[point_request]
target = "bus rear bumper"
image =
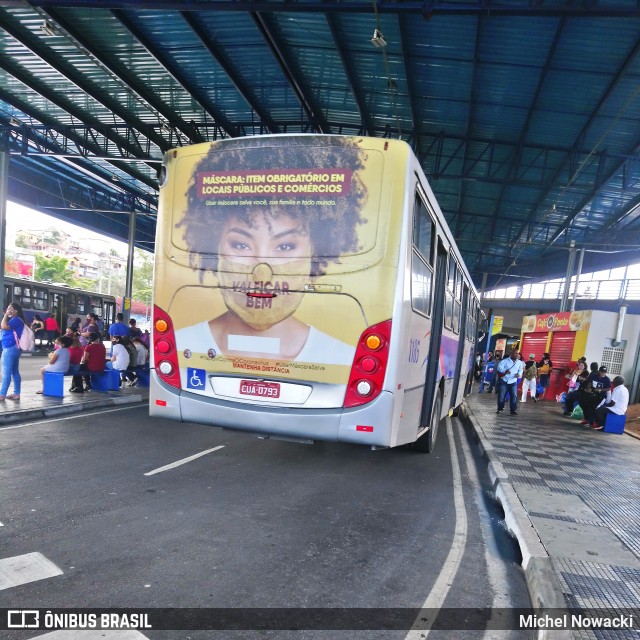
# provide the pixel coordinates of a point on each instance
(370, 425)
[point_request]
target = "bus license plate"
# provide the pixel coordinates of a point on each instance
(260, 389)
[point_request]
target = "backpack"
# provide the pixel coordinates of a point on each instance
(27, 340)
(531, 372)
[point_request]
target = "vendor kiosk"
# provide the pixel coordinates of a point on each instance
(563, 336)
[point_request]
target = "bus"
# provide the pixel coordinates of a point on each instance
(59, 300)
(307, 288)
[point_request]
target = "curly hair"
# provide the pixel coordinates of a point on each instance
(331, 228)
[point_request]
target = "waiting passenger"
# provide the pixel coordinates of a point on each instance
(53, 330)
(573, 397)
(120, 356)
(93, 360)
(76, 351)
(529, 382)
(598, 388)
(58, 359)
(574, 378)
(119, 328)
(134, 332)
(617, 404)
(544, 372)
(142, 358)
(39, 332)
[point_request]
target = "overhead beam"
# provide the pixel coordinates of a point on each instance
(83, 140)
(351, 75)
(470, 119)
(116, 70)
(415, 7)
(95, 127)
(312, 110)
(579, 141)
(411, 94)
(175, 72)
(513, 167)
(220, 57)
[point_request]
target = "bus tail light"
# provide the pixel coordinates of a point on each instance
(165, 355)
(369, 365)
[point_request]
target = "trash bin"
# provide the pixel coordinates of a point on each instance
(557, 383)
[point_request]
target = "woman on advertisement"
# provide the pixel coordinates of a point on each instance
(266, 253)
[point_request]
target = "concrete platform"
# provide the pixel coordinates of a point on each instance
(32, 406)
(571, 497)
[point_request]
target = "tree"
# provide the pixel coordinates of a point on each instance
(142, 276)
(52, 237)
(21, 240)
(54, 269)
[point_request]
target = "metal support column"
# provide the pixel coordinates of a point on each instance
(4, 190)
(128, 291)
(578, 274)
(567, 280)
(483, 286)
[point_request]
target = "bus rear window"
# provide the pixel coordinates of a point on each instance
(306, 203)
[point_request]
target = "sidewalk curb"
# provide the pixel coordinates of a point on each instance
(542, 581)
(67, 409)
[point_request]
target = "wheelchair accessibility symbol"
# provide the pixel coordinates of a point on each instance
(196, 378)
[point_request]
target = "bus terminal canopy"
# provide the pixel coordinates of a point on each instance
(524, 116)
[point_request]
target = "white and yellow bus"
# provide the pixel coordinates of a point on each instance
(307, 287)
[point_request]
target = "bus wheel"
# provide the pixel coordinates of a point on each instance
(427, 442)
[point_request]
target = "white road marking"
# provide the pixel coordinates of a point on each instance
(496, 567)
(26, 568)
(178, 463)
(92, 635)
(451, 565)
(75, 416)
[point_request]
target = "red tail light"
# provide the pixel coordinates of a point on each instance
(165, 356)
(369, 365)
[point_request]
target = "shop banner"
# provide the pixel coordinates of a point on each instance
(565, 321)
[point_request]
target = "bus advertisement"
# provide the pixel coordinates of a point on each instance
(307, 288)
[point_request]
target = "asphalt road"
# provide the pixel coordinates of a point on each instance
(253, 523)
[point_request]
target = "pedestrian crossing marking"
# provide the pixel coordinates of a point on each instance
(26, 568)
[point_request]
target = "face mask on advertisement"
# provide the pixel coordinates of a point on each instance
(282, 283)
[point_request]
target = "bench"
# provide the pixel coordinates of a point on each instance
(107, 380)
(615, 423)
(143, 377)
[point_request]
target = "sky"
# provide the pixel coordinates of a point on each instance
(19, 217)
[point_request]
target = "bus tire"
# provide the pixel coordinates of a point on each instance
(427, 441)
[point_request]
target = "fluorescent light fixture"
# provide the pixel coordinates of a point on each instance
(48, 28)
(378, 39)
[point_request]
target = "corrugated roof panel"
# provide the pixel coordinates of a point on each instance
(496, 105)
(245, 48)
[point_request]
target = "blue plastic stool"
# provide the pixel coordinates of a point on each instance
(53, 384)
(143, 377)
(615, 423)
(107, 380)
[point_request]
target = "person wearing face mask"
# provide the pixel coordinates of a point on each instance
(266, 257)
(12, 324)
(264, 264)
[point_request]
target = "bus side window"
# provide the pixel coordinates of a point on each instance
(457, 299)
(423, 230)
(449, 295)
(421, 278)
(422, 257)
(83, 307)
(40, 300)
